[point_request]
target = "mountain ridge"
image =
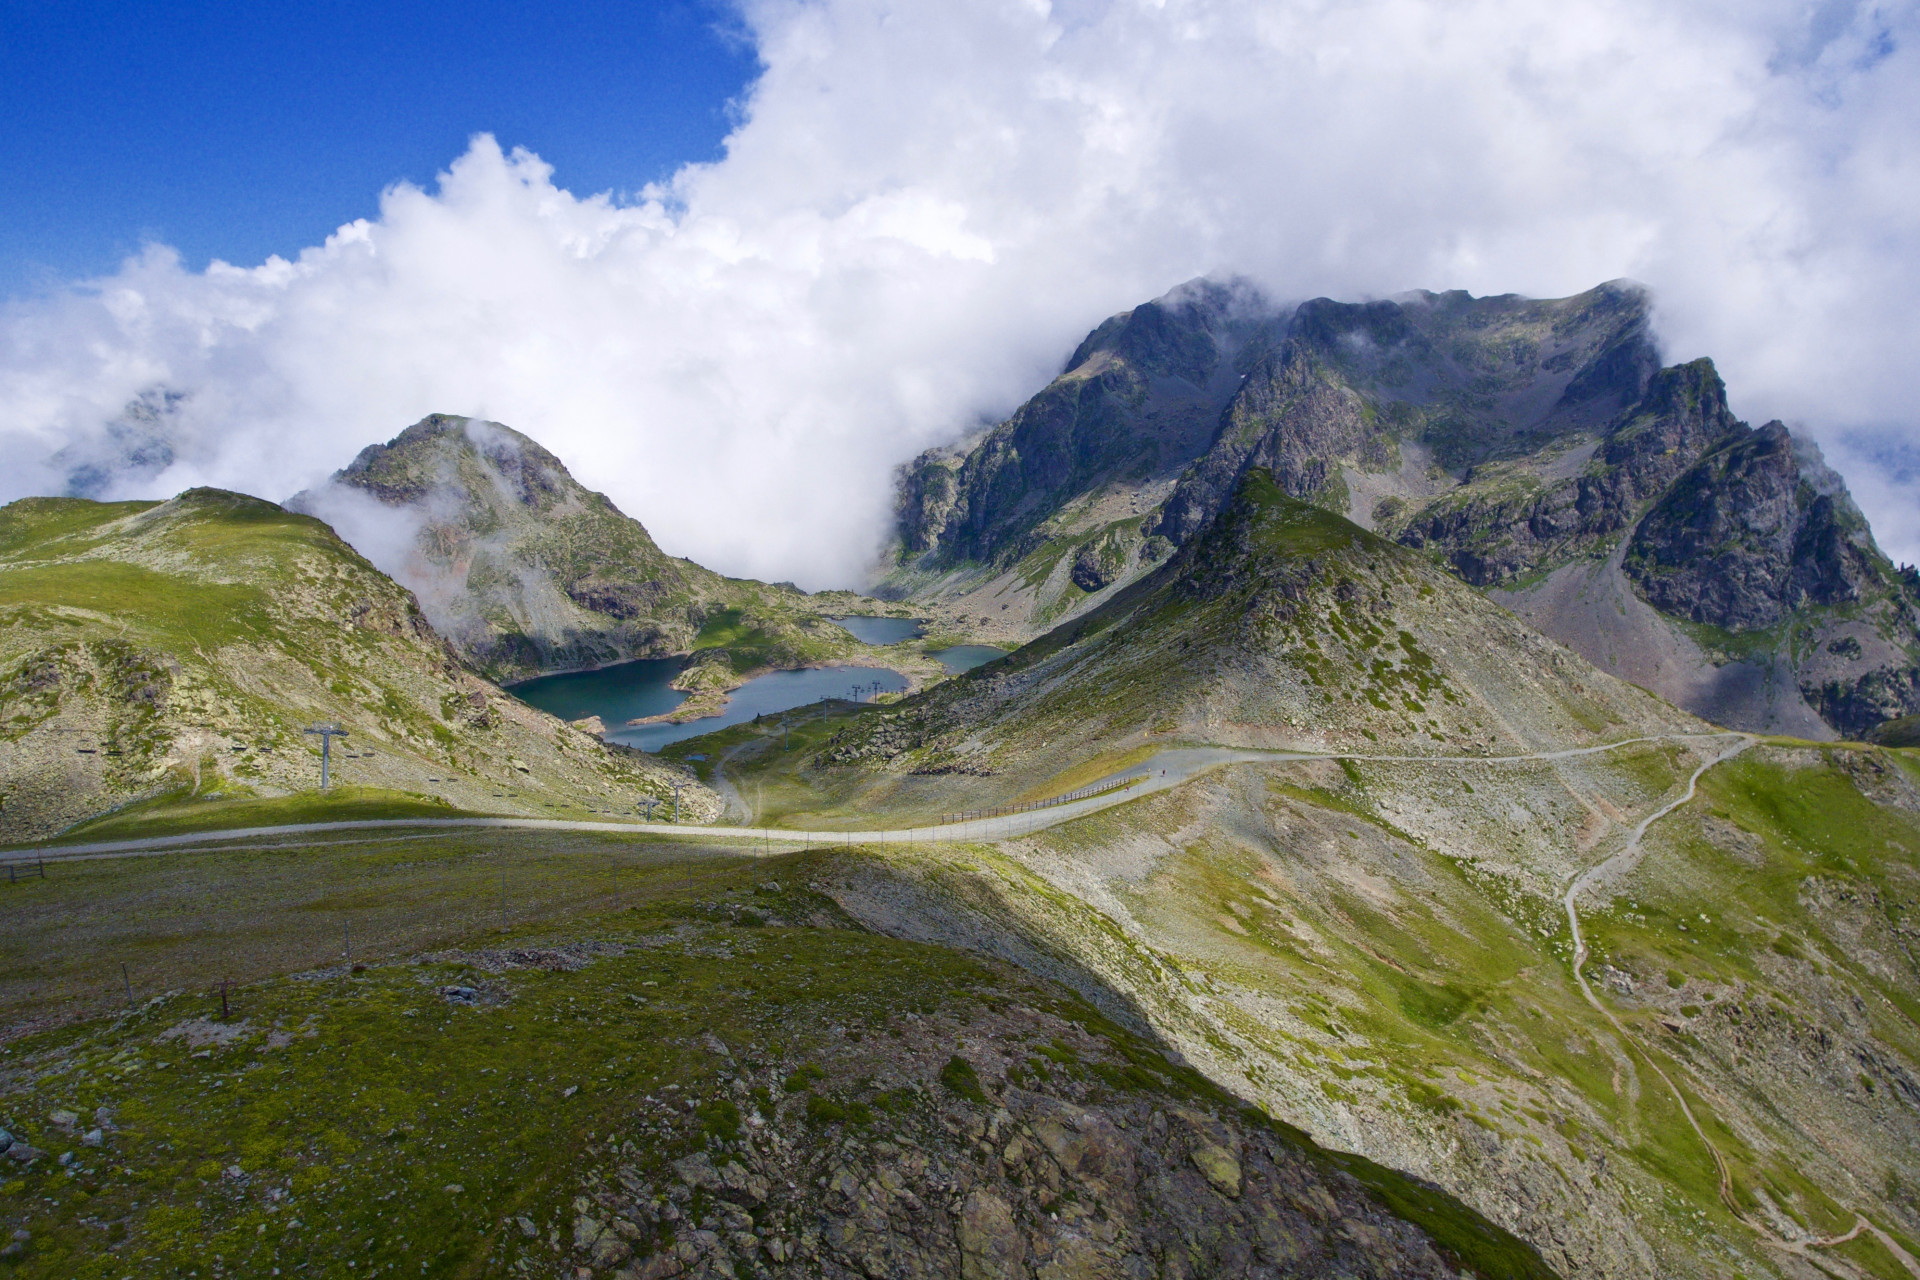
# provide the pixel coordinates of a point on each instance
(153, 649)
(1538, 448)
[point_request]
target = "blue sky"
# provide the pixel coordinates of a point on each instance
(922, 207)
(238, 130)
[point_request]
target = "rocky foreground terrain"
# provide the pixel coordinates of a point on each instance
(1538, 449)
(729, 1079)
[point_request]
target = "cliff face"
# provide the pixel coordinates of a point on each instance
(1510, 517)
(1537, 448)
(1138, 399)
(1745, 538)
(1466, 380)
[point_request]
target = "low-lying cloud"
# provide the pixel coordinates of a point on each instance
(925, 206)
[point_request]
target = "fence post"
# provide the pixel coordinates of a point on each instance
(129, 984)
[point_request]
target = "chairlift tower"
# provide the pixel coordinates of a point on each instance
(326, 733)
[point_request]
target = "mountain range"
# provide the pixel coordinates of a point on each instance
(1539, 450)
(1479, 708)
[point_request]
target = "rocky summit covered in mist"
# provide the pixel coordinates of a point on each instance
(524, 570)
(1538, 449)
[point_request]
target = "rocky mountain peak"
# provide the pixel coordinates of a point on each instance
(1514, 439)
(1137, 401)
(1754, 531)
(476, 462)
(517, 563)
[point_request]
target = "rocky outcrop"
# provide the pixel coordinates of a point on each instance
(1503, 522)
(907, 1159)
(1295, 417)
(1752, 534)
(1139, 396)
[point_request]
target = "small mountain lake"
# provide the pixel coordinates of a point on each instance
(965, 657)
(880, 631)
(631, 690)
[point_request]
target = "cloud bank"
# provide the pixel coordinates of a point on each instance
(925, 206)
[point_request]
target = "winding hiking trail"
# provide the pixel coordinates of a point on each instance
(1164, 771)
(1623, 860)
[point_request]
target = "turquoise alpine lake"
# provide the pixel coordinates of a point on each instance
(879, 631)
(635, 690)
(965, 657)
(625, 691)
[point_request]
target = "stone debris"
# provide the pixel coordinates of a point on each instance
(199, 1033)
(871, 1167)
(567, 958)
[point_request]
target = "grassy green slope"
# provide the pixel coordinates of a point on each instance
(477, 1100)
(182, 647)
(1284, 625)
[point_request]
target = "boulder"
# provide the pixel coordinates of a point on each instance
(991, 1247)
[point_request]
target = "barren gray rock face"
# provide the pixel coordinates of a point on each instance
(1139, 397)
(1743, 539)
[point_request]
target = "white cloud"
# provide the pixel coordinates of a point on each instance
(925, 206)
